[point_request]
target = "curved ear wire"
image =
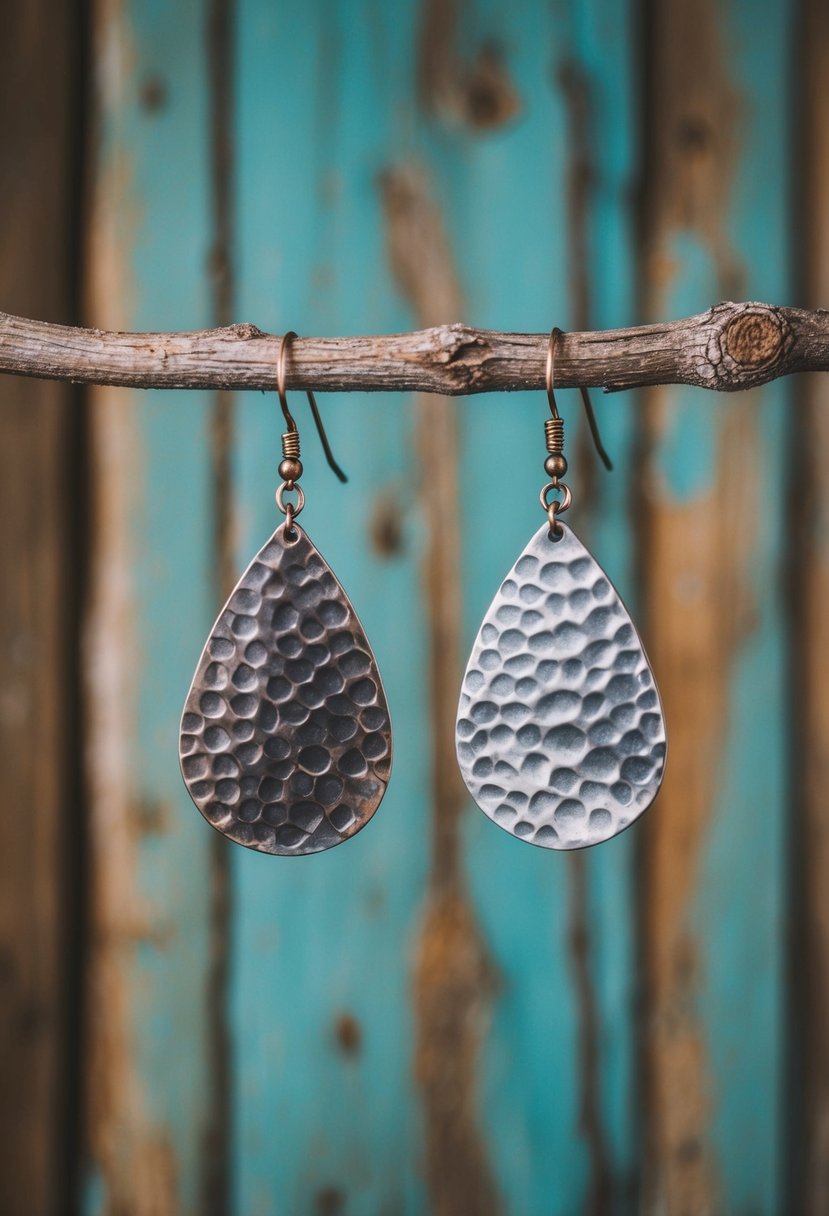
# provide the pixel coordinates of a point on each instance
(290, 422)
(552, 345)
(326, 446)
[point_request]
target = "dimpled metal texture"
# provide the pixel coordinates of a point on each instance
(560, 734)
(285, 737)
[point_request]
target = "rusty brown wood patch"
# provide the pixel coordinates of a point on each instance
(133, 1156)
(453, 976)
(696, 556)
(478, 92)
(130, 1155)
(692, 122)
(692, 554)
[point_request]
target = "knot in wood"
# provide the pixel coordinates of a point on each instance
(754, 338)
(463, 351)
(746, 349)
(243, 330)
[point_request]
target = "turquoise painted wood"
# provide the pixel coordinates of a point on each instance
(316, 943)
(317, 951)
(534, 1080)
(739, 907)
(326, 1112)
(152, 1086)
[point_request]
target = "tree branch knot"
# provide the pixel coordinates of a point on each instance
(747, 345)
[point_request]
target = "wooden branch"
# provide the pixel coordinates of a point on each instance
(730, 347)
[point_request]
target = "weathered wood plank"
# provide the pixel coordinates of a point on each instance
(326, 1118)
(598, 78)
(40, 826)
(307, 960)
(453, 973)
(536, 1112)
(149, 1027)
(711, 495)
(557, 1095)
(808, 970)
(221, 62)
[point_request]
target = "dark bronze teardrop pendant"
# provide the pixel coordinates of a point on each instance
(285, 741)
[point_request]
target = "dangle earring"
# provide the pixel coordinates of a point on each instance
(560, 733)
(285, 741)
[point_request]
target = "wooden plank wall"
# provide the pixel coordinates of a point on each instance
(712, 501)
(42, 477)
(150, 1063)
(434, 1018)
(807, 972)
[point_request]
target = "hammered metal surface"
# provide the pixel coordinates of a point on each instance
(285, 739)
(560, 733)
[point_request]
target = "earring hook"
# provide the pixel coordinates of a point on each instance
(552, 346)
(290, 422)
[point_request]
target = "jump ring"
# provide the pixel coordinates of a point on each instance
(560, 506)
(283, 506)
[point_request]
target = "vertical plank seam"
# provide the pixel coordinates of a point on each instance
(453, 974)
(221, 46)
(581, 176)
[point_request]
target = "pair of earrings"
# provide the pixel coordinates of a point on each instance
(285, 740)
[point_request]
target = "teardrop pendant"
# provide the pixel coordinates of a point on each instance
(560, 732)
(285, 741)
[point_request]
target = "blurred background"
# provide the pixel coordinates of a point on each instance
(434, 1018)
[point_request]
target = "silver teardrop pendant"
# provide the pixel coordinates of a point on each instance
(560, 731)
(285, 741)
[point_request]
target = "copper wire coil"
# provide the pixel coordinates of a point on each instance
(554, 435)
(290, 444)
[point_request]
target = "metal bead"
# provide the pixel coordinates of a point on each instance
(290, 469)
(555, 465)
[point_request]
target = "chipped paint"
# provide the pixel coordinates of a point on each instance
(694, 651)
(707, 530)
(453, 985)
(348, 1034)
(477, 92)
(146, 1076)
(695, 112)
(542, 1098)
(591, 1126)
(122, 1143)
(386, 524)
(452, 979)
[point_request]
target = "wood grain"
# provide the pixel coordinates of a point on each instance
(809, 964)
(453, 974)
(712, 873)
(153, 965)
(37, 613)
(683, 546)
(221, 58)
(728, 348)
